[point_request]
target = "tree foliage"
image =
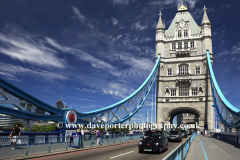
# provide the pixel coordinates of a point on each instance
(25, 129)
(19, 123)
(43, 128)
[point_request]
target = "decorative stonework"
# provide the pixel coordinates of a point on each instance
(184, 42)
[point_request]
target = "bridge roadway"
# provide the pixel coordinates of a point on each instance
(127, 151)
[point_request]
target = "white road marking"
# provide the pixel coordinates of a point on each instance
(121, 155)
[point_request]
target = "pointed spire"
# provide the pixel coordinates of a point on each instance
(205, 19)
(160, 25)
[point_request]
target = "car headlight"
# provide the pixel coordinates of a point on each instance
(157, 144)
(140, 143)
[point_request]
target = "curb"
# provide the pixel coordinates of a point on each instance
(44, 154)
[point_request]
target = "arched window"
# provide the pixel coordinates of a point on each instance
(167, 92)
(192, 44)
(183, 69)
(173, 45)
(185, 44)
(180, 45)
(200, 91)
(179, 34)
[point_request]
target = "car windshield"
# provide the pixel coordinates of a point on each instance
(152, 134)
(173, 132)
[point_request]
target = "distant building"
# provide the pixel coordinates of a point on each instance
(7, 121)
(59, 104)
(104, 119)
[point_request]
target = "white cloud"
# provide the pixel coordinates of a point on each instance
(114, 21)
(80, 99)
(120, 2)
(23, 46)
(138, 26)
(233, 58)
(86, 90)
(119, 36)
(82, 18)
(174, 3)
(234, 51)
(96, 63)
(10, 70)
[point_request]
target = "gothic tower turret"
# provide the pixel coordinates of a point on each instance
(160, 34)
(206, 33)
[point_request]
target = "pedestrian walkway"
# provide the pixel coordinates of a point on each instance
(206, 148)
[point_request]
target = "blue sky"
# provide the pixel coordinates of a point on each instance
(95, 53)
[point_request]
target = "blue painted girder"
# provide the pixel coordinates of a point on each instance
(233, 110)
(58, 115)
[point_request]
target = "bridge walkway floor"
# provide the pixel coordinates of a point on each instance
(206, 148)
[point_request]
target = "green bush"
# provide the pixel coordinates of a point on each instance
(43, 128)
(25, 129)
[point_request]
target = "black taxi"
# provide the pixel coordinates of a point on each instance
(153, 141)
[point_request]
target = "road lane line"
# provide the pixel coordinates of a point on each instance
(76, 152)
(121, 155)
(203, 149)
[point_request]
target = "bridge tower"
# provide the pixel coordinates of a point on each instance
(183, 84)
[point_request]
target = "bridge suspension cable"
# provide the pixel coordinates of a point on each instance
(227, 113)
(116, 113)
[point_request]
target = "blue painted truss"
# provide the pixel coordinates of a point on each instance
(227, 113)
(116, 113)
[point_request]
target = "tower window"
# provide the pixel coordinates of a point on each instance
(184, 91)
(198, 70)
(192, 44)
(185, 33)
(167, 92)
(183, 70)
(194, 92)
(173, 92)
(185, 44)
(169, 72)
(179, 34)
(180, 45)
(200, 91)
(173, 46)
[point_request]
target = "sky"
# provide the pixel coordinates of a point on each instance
(94, 53)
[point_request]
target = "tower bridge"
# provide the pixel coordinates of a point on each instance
(185, 87)
(184, 79)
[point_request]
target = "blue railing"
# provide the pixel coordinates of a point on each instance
(180, 152)
(24, 146)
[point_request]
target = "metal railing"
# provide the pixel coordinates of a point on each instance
(229, 138)
(180, 152)
(24, 146)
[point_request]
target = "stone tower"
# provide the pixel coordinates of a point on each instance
(183, 84)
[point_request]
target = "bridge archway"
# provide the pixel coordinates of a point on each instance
(181, 110)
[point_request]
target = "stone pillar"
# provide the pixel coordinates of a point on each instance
(230, 130)
(237, 131)
(30, 125)
(225, 129)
